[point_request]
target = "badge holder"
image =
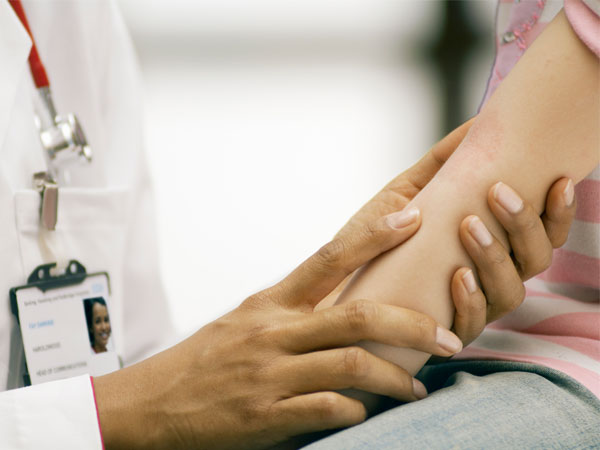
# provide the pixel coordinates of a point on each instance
(65, 323)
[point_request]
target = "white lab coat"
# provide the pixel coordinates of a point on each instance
(105, 217)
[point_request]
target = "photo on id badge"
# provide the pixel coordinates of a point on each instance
(98, 324)
(66, 327)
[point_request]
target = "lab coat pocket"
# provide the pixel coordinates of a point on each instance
(91, 228)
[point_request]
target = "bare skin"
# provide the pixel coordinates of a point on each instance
(541, 124)
(268, 370)
(501, 274)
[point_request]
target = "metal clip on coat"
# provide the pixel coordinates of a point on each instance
(61, 136)
(48, 189)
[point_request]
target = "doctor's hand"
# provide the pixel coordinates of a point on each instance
(270, 369)
(501, 274)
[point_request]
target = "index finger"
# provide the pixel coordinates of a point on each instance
(560, 211)
(331, 264)
(350, 323)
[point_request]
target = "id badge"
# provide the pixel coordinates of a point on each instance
(65, 324)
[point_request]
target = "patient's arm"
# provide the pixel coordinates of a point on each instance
(542, 123)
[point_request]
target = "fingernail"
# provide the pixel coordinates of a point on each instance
(419, 389)
(469, 282)
(569, 193)
(448, 340)
(402, 218)
(508, 198)
(480, 232)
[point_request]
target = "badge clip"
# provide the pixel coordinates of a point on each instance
(75, 273)
(42, 278)
(48, 189)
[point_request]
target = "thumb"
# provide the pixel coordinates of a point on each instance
(425, 169)
(331, 264)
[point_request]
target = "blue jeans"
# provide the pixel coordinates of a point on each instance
(483, 405)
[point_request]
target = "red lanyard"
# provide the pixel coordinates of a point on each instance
(38, 72)
(61, 136)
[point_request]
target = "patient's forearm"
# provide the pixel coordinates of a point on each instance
(541, 124)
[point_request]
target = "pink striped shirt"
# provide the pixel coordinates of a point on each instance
(558, 324)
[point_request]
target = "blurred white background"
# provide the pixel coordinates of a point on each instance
(275, 121)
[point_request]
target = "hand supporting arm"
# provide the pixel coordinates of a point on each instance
(541, 124)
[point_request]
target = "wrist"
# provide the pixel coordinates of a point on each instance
(97, 411)
(123, 419)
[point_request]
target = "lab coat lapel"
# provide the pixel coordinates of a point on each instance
(15, 45)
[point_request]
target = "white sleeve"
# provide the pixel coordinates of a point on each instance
(57, 414)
